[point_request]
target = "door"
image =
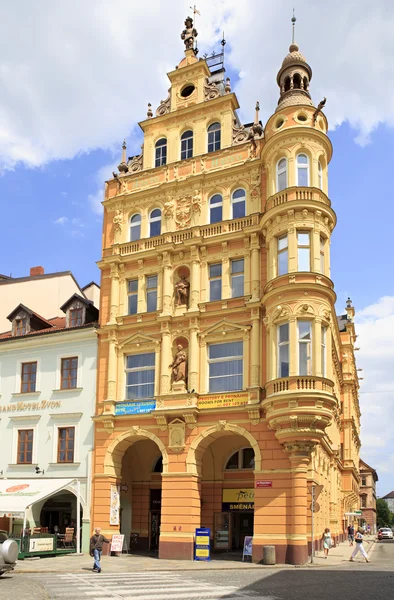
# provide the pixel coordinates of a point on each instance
(154, 529)
(222, 531)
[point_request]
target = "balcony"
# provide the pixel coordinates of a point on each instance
(201, 232)
(297, 194)
(303, 278)
(300, 385)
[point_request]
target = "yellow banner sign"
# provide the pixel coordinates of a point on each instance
(238, 495)
(223, 400)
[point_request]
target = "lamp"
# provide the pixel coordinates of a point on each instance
(38, 471)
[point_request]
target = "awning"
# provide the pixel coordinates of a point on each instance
(16, 495)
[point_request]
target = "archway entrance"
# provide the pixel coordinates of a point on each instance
(59, 512)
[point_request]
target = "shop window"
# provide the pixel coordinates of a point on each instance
(302, 170)
(132, 296)
(225, 367)
(237, 278)
(65, 447)
(155, 222)
(28, 377)
(215, 282)
(25, 447)
(283, 350)
(281, 175)
(186, 145)
(283, 255)
(140, 376)
(304, 347)
(214, 137)
(161, 152)
(238, 203)
(304, 250)
(135, 228)
(151, 293)
(242, 459)
(215, 209)
(69, 371)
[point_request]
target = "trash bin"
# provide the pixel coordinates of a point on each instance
(269, 555)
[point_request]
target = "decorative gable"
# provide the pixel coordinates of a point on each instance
(137, 341)
(225, 329)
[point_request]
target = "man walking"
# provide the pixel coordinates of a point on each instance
(359, 546)
(96, 548)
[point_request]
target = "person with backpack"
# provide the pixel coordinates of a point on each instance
(359, 546)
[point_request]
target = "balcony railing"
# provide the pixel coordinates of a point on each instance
(179, 237)
(299, 384)
(296, 194)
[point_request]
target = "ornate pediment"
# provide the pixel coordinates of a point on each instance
(225, 328)
(137, 340)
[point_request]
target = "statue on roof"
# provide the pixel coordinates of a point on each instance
(189, 34)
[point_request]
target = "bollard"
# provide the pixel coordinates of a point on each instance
(269, 555)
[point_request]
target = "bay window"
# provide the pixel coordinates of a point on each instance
(283, 255)
(304, 347)
(283, 350)
(304, 250)
(323, 351)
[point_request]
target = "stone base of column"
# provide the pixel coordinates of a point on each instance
(176, 548)
(286, 554)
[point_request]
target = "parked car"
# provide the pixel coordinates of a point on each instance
(385, 533)
(8, 553)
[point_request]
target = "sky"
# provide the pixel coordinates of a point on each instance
(76, 78)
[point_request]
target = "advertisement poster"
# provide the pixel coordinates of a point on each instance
(117, 543)
(238, 499)
(223, 400)
(248, 544)
(202, 550)
(114, 505)
(40, 544)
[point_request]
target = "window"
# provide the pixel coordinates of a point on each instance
(69, 370)
(28, 377)
(322, 252)
(320, 175)
(281, 175)
(225, 367)
(161, 152)
(237, 278)
(25, 447)
(135, 228)
(363, 501)
(363, 481)
(304, 250)
(186, 145)
(155, 222)
(132, 294)
(76, 317)
(65, 446)
(214, 137)
(151, 293)
(215, 282)
(302, 170)
(215, 208)
(283, 255)
(238, 202)
(140, 376)
(283, 350)
(323, 351)
(20, 327)
(242, 459)
(304, 347)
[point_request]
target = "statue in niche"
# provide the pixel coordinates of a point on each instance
(117, 221)
(178, 365)
(182, 288)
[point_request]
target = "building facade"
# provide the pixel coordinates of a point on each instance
(389, 499)
(47, 400)
(368, 477)
(227, 386)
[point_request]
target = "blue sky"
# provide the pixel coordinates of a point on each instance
(71, 89)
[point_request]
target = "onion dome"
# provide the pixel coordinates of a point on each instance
(293, 79)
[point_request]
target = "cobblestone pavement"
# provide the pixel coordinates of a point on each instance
(15, 587)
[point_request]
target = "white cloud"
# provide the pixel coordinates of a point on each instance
(375, 327)
(102, 175)
(78, 75)
(61, 221)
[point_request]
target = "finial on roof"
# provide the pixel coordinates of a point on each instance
(123, 168)
(189, 34)
(348, 303)
(256, 116)
(293, 20)
(227, 87)
(149, 113)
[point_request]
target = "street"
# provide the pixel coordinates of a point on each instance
(347, 581)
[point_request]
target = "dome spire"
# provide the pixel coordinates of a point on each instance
(293, 20)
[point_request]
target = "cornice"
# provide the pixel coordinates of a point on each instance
(296, 133)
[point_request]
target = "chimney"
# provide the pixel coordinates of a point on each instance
(36, 271)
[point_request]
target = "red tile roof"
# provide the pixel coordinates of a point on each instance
(57, 324)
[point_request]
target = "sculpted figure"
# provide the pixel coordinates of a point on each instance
(188, 34)
(182, 288)
(178, 365)
(117, 221)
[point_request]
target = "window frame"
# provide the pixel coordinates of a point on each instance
(281, 172)
(161, 152)
(235, 201)
(18, 441)
(135, 226)
(322, 250)
(214, 137)
(139, 369)
(307, 343)
(20, 327)
(279, 345)
(69, 378)
(240, 453)
(132, 294)
(282, 251)
(29, 383)
(303, 166)
(324, 330)
(320, 175)
(233, 358)
(304, 246)
(151, 290)
(75, 317)
(236, 275)
(153, 220)
(213, 279)
(214, 206)
(187, 148)
(65, 428)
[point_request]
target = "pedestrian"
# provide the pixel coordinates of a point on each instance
(368, 529)
(327, 542)
(96, 548)
(350, 534)
(359, 546)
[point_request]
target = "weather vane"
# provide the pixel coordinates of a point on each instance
(195, 12)
(293, 20)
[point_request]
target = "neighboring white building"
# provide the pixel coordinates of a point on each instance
(43, 293)
(47, 401)
(389, 499)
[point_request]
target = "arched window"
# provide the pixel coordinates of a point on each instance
(186, 144)
(287, 84)
(238, 203)
(215, 208)
(281, 175)
(320, 175)
(242, 459)
(214, 137)
(161, 152)
(135, 228)
(297, 81)
(302, 170)
(158, 466)
(155, 222)
(306, 83)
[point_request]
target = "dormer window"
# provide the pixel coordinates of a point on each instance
(75, 317)
(20, 326)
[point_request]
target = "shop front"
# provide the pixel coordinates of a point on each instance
(236, 519)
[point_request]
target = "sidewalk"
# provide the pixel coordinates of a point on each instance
(73, 563)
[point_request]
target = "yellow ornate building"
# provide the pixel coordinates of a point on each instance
(227, 386)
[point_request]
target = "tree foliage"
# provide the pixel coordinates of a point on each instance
(384, 517)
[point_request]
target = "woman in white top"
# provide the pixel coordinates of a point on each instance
(359, 546)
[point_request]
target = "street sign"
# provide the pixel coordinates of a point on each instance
(261, 483)
(315, 507)
(318, 490)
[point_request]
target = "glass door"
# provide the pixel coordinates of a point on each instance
(222, 531)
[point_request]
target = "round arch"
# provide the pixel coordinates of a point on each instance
(202, 441)
(117, 448)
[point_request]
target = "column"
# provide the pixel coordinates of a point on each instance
(255, 349)
(254, 271)
(194, 285)
(226, 283)
(315, 250)
(293, 342)
(292, 241)
(272, 258)
(194, 359)
(111, 392)
(316, 347)
(165, 359)
(114, 275)
(167, 291)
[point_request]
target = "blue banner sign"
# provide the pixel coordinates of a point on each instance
(134, 408)
(202, 544)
